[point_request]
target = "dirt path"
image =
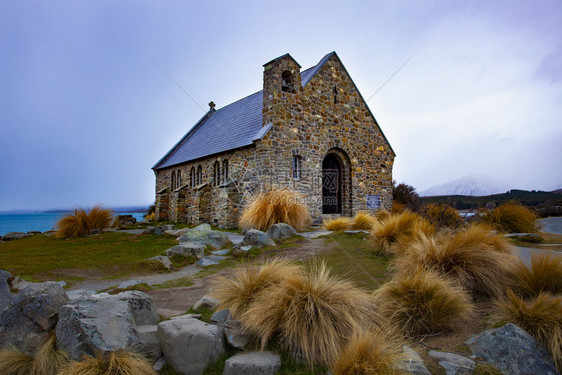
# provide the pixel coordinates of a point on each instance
(176, 301)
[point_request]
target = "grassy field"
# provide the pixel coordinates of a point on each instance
(107, 255)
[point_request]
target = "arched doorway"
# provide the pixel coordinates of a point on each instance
(332, 184)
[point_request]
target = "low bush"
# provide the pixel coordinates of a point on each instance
(276, 206)
(402, 226)
(423, 303)
(442, 216)
(544, 275)
(541, 317)
(363, 221)
(113, 363)
(313, 314)
(512, 218)
(474, 259)
(82, 222)
(371, 353)
(398, 207)
(338, 224)
(239, 290)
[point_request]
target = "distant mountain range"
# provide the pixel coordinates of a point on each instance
(58, 211)
(474, 185)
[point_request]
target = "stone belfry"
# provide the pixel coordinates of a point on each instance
(281, 80)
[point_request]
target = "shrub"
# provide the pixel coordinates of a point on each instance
(371, 353)
(113, 363)
(402, 226)
(442, 215)
(470, 258)
(406, 195)
(276, 206)
(313, 313)
(338, 224)
(541, 317)
(363, 221)
(398, 207)
(14, 362)
(83, 222)
(423, 303)
(544, 275)
(240, 289)
(150, 217)
(512, 218)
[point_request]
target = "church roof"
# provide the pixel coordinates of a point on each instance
(236, 125)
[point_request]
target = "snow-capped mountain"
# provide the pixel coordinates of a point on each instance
(475, 185)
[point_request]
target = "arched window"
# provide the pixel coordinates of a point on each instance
(225, 170)
(192, 177)
(287, 81)
(179, 179)
(199, 175)
(173, 180)
(216, 174)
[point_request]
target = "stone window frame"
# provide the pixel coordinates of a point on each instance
(178, 179)
(287, 81)
(225, 170)
(216, 173)
(192, 177)
(173, 180)
(297, 167)
(199, 175)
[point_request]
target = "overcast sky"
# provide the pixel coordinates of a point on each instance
(85, 112)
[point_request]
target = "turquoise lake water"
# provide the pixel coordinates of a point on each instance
(41, 222)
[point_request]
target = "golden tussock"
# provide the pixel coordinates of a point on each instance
(338, 224)
(82, 222)
(113, 363)
(363, 221)
(511, 217)
(544, 275)
(398, 229)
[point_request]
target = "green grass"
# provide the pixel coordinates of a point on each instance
(110, 254)
(175, 283)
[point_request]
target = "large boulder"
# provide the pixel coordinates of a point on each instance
(104, 322)
(206, 302)
(413, 363)
(204, 235)
(513, 351)
(13, 236)
(256, 238)
(123, 221)
(32, 314)
(253, 363)
(5, 293)
(281, 231)
(162, 260)
(187, 249)
(189, 344)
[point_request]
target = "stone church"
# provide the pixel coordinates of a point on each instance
(309, 131)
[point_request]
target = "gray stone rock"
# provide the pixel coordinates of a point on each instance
(189, 345)
(453, 364)
(104, 322)
(13, 236)
(221, 317)
(158, 231)
(245, 248)
(33, 313)
(122, 221)
(79, 293)
(235, 335)
(187, 249)
(19, 284)
(211, 260)
(163, 260)
(206, 302)
(253, 363)
(220, 252)
(148, 338)
(281, 231)
(33, 232)
(204, 235)
(257, 238)
(513, 351)
(167, 227)
(185, 316)
(177, 232)
(5, 294)
(5, 275)
(148, 230)
(413, 363)
(159, 365)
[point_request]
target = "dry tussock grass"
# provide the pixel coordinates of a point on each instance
(363, 221)
(512, 218)
(442, 215)
(313, 313)
(371, 353)
(338, 224)
(14, 362)
(240, 289)
(541, 317)
(544, 275)
(276, 206)
(424, 303)
(82, 222)
(400, 228)
(382, 214)
(114, 363)
(47, 361)
(480, 264)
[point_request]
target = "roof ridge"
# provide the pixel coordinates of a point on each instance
(236, 101)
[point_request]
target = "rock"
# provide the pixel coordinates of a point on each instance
(221, 317)
(235, 335)
(148, 339)
(206, 302)
(158, 231)
(204, 235)
(93, 232)
(220, 252)
(33, 232)
(245, 248)
(128, 284)
(104, 322)
(513, 351)
(281, 231)
(164, 261)
(453, 364)
(178, 232)
(187, 249)
(33, 313)
(13, 236)
(79, 293)
(159, 365)
(211, 260)
(185, 316)
(413, 363)
(50, 233)
(253, 363)
(122, 221)
(19, 284)
(189, 345)
(148, 230)
(5, 294)
(256, 238)
(5, 275)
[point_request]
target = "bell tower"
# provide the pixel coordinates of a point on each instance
(281, 81)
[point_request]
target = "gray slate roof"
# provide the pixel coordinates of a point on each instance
(234, 126)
